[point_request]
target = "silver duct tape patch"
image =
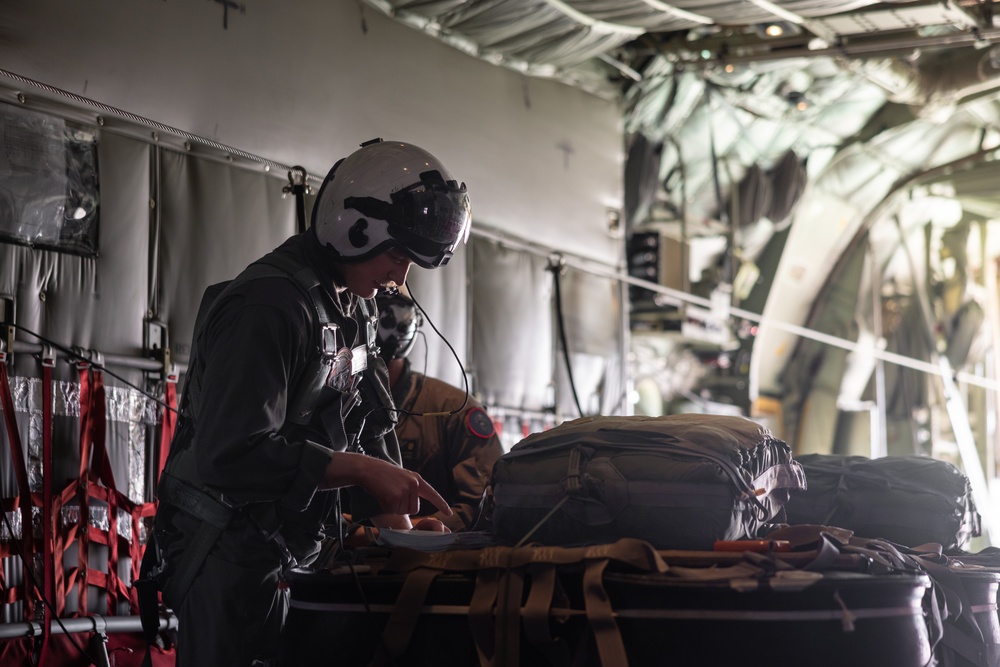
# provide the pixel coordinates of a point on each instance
(11, 524)
(122, 405)
(70, 516)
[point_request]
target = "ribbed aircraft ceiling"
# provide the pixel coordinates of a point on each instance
(732, 85)
(737, 113)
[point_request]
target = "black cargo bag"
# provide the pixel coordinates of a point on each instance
(909, 500)
(677, 482)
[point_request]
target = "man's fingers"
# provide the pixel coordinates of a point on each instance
(427, 492)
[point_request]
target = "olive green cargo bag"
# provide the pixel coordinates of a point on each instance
(908, 500)
(677, 482)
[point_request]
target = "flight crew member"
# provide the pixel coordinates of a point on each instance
(453, 448)
(286, 401)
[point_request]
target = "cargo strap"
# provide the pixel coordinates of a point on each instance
(495, 611)
(497, 616)
(22, 503)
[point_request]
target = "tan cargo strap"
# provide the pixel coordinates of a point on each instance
(601, 616)
(543, 598)
(481, 620)
(405, 614)
(506, 575)
(495, 611)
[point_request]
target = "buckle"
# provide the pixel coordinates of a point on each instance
(328, 342)
(82, 360)
(47, 356)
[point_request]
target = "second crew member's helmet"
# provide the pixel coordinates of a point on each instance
(389, 194)
(398, 321)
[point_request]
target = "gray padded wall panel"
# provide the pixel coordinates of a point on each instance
(215, 219)
(305, 82)
(122, 267)
(512, 326)
(91, 303)
(591, 316)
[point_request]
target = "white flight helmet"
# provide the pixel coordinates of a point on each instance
(389, 194)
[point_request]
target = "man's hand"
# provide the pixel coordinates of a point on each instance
(431, 524)
(397, 490)
(402, 522)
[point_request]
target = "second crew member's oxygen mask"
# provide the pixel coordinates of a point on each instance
(399, 320)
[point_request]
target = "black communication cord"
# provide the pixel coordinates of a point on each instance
(555, 266)
(465, 376)
(76, 356)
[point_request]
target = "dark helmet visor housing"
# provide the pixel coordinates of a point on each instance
(427, 219)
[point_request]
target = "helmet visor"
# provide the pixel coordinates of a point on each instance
(429, 219)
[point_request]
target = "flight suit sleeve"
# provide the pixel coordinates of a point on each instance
(472, 449)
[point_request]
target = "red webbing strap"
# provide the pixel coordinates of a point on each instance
(48, 520)
(83, 535)
(168, 425)
(137, 550)
(99, 424)
(64, 581)
(24, 497)
(141, 511)
(100, 461)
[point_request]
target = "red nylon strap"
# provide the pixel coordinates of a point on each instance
(99, 424)
(144, 510)
(108, 493)
(168, 426)
(48, 520)
(64, 581)
(136, 549)
(83, 535)
(21, 474)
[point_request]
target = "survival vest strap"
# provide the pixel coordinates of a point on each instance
(328, 319)
(213, 512)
